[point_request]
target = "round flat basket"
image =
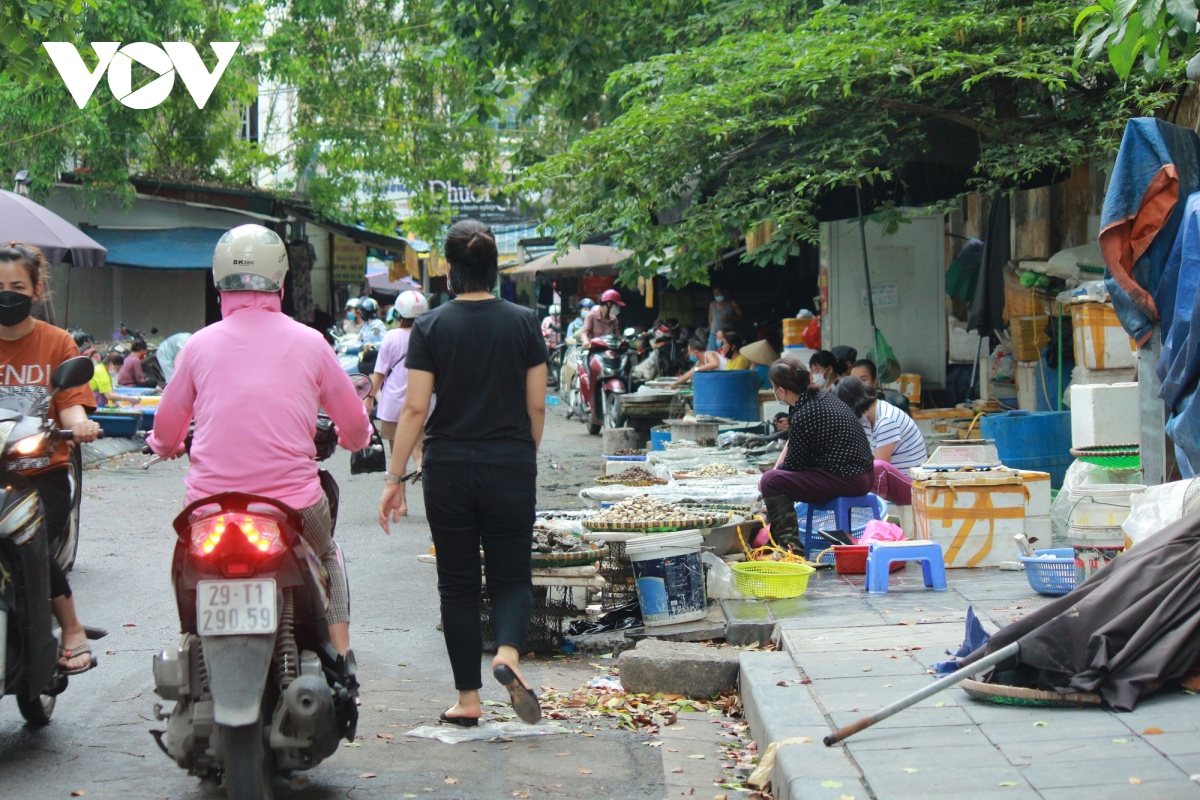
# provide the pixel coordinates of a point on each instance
(1112, 456)
(580, 559)
(1020, 696)
(778, 579)
(633, 526)
(617, 480)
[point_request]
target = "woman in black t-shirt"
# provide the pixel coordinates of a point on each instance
(485, 359)
(827, 454)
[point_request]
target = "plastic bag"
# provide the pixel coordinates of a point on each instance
(879, 530)
(1155, 509)
(1082, 473)
(721, 585)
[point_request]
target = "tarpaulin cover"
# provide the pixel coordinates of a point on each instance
(1157, 165)
(162, 248)
(1179, 365)
(1134, 624)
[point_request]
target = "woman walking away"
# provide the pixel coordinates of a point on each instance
(827, 454)
(30, 351)
(895, 438)
(390, 379)
(486, 360)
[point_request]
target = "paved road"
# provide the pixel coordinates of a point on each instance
(99, 743)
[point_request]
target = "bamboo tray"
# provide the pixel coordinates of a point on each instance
(579, 559)
(690, 523)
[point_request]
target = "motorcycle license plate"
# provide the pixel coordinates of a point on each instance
(228, 608)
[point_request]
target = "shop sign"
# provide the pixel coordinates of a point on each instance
(884, 295)
(348, 260)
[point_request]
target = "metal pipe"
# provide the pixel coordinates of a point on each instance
(942, 683)
(862, 235)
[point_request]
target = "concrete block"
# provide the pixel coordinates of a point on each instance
(619, 439)
(747, 622)
(679, 668)
(700, 630)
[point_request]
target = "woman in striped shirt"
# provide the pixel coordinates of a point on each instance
(895, 438)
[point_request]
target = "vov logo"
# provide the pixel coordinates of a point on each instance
(167, 60)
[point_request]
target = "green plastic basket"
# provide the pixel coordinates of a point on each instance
(1115, 456)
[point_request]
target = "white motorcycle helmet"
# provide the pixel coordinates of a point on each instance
(249, 258)
(410, 305)
(553, 310)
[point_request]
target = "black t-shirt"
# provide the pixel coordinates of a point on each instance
(824, 433)
(479, 353)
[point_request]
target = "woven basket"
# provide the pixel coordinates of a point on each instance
(581, 559)
(1020, 696)
(616, 480)
(633, 526)
(778, 579)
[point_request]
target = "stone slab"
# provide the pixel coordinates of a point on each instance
(939, 636)
(679, 668)
(747, 622)
(711, 627)
(103, 449)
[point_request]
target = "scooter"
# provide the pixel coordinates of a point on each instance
(258, 689)
(28, 639)
(600, 380)
(349, 349)
(669, 349)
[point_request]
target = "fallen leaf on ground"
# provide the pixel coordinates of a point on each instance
(522, 794)
(887, 686)
(911, 769)
(368, 775)
(1040, 724)
(654, 744)
(866, 669)
(672, 750)
(451, 781)
(939, 705)
(721, 797)
(126, 625)
(830, 785)
(1120, 741)
(352, 744)
(77, 793)
(782, 683)
(1152, 731)
(583, 771)
(698, 755)
(677, 770)
(1135, 781)
(384, 736)
(110, 652)
(1008, 783)
(560, 755)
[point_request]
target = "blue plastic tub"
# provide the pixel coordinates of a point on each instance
(659, 436)
(1051, 576)
(1039, 441)
(148, 418)
(138, 390)
(119, 425)
(732, 394)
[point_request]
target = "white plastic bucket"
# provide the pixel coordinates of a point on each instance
(1101, 505)
(669, 576)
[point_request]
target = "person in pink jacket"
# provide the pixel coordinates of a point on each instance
(253, 384)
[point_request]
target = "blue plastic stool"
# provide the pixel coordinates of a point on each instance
(882, 554)
(841, 508)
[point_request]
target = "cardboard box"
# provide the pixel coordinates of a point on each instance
(974, 517)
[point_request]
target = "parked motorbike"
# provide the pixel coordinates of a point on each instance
(258, 689)
(557, 356)
(28, 639)
(600, 380)
(670, 348)
(639, 351)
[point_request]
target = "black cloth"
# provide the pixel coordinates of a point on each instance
(54, 490)
(987, 311)
(469, 506)
(1132, 625)
(479, 353)
(824, 433)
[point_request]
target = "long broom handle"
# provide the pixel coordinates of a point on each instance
(942, 683)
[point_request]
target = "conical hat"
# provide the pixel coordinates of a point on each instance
(760, 353)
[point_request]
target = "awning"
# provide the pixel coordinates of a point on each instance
(392, 244)
(158, 248)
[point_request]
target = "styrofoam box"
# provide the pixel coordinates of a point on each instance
(964, 344)
(975, 523)
(1038, 484)
(1103, 414)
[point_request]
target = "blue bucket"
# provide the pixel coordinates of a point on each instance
(659, 436)
(1036, 441)
(732, 394)
(670, 577)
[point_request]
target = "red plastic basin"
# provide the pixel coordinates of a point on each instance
(851, 559)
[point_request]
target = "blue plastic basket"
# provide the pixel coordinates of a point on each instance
(1051, 576)
(827, 521)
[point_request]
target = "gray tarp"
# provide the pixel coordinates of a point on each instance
(1136, 623)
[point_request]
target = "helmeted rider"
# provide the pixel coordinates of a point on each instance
(241, 443)
(602, 320)
(353, 323)
(551, 322)
(389, 381)
(373, 328)
(585, 305)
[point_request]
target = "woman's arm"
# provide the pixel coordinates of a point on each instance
(711, 362)
(711, 306)
(684, 378)
(417, 398)
(782, 456)
(535, 401)
(75, 419)
(884, 452)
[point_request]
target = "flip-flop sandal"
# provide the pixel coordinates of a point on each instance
(73, 653)
(524, 701)
(462, 722)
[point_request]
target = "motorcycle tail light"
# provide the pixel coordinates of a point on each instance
(260, 533)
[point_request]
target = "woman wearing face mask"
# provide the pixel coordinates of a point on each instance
(30, 350)
(602, 320)
(827, 454)
(723, 314)
(822, 365)
(101, 383)
(703, 360)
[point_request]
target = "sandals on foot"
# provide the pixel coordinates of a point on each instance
(462, 722)
(524, 701)
(74, 653)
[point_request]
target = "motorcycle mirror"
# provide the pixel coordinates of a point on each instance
(73, 372)
(362, 385)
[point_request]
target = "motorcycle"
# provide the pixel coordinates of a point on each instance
(349, 349)
(258, 689)
(28, 639)
(558, 354)
(600, 379)
(670, 349)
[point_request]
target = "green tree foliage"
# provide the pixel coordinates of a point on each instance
(1156, 30)
(25, 24)
(767, 121)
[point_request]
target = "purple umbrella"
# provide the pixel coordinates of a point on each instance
(22, 220)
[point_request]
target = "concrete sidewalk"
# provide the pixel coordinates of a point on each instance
(846, 654)
(102, 450)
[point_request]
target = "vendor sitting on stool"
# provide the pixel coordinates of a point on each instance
(895, 438)
(827, 454)
(703, 360)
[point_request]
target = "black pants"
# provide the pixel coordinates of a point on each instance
(54, 490)
(469, 506)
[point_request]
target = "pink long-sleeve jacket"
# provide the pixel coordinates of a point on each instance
(254, 382)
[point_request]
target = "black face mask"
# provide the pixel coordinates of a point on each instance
(14, 308)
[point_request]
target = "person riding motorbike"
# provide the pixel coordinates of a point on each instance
(602, 320)
(549, 324)
(242, 444)
(389, 381)
(585, 306)
(373, 329)
(30, 350)
(353, 323)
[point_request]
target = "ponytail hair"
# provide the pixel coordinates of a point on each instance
(790, 374)
(854, 393)
(474, 261)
